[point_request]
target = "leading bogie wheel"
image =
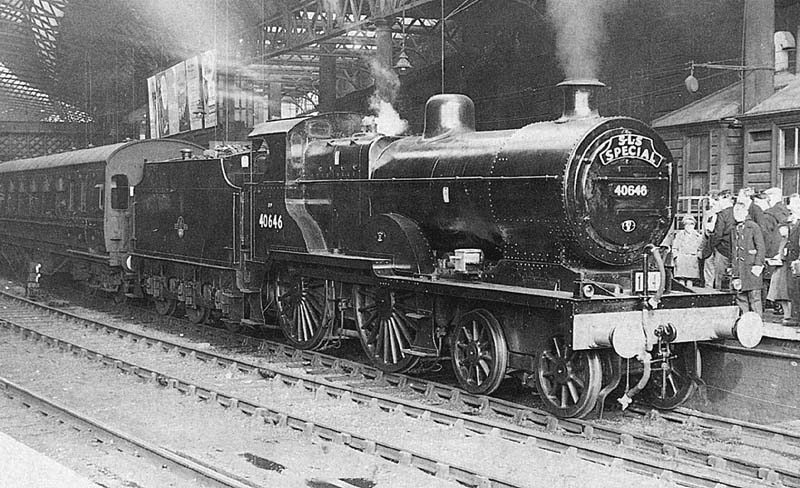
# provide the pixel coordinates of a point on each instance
(672, 376)
(479, 352)
(306, 308)
(568, 381)
(386, 322)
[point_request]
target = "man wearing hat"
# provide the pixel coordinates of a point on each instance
(747, 260)
(686, 251)
(721, 237)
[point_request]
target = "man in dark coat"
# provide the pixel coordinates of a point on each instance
(720, 239)
(775, 216)
(747, 260)
(792, 254)
(774, 226)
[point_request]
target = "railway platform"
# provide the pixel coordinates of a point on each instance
(758, 385)
(23, 467)
(774, 330)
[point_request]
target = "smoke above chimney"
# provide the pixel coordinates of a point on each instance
(580, 34)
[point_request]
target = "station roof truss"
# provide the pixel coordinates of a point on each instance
(289, 44)
(46, 44)
(28, 35)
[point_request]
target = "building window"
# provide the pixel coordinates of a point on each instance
(698, 165)
(789, 160)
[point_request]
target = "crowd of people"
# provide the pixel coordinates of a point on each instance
(748, 242)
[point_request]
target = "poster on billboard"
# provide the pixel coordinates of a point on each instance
(172, 100)
(193, 95)
(208, 86)
(152, 98)
(183, 97)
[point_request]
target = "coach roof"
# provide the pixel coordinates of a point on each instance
(148, 149)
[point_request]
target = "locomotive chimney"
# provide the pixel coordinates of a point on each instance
(580, 98)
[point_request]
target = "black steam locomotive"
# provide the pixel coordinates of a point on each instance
(530, 252)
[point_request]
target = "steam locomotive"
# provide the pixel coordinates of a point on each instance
(531, 252)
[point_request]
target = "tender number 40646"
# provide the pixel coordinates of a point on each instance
(270, 221)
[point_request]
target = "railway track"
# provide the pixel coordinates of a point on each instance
(254, 411)
(98, 432)
(592, 441)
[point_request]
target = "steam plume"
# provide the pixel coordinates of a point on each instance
(387, 85)
(580, 34)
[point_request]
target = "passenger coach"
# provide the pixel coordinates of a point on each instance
(71, 212)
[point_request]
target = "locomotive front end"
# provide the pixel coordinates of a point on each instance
(605, 199)
(619, 191)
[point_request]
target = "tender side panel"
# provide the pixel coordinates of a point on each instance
(186, 210)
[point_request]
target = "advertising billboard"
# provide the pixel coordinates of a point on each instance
(183, 97)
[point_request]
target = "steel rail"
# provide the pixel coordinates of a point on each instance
(770, 437)
(207, 476)
(678, 462)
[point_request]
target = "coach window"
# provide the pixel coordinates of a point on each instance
(48, 197)
(99, 190)
(789, 159)
(60, 196)
(22, 198)
(119, 192)
(34, 197)
(71, 195)
(27, 197)
(697, 163)
(82, 194)
(11, 203)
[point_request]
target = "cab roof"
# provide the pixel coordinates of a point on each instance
(280, 126)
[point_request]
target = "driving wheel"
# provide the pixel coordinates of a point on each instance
(479, 352)
(386, 321)
(568, 381)
(305, 308)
